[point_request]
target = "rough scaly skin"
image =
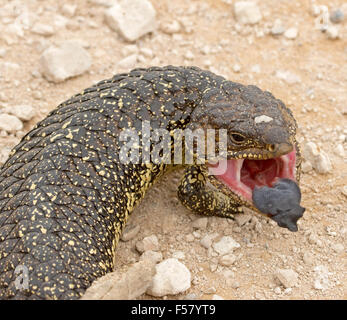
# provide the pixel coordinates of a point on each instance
(65, 196)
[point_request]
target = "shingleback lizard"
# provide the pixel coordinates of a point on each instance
(65, 196)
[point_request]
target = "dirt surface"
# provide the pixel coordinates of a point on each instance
(209, 37)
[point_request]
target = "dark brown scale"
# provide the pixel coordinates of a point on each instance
(65, 196)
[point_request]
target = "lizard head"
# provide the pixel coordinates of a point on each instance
(260, 135)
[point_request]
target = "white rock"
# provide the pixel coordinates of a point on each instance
(23, 112)
(148, 243)
(256, 68)
(318, 158)
(291, 33)
(147, 52)
(65, 61)
(172, 277)
(277, 28)
(2, 52)
(153, 256)
(200, 223)
(10, 123)
(69, 9)
(242, 219)
(308, 258)
(332, 32)
(206, 241)
(287, 76)
(128, 62)
(339, 150)
(288, 277)
(227, 260)
(236, 68)
(131, 18)
(338, 247)
(225, 245)
(247, 12)
(323, 163)
(42, 29)
(180, 255)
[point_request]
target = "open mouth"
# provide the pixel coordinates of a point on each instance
(241, 176)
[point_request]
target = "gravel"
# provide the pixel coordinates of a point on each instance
(67, 60)
(131, 18)
(172, 277)
(225, 245)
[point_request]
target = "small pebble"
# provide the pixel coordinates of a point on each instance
(287, 277)
(225, 245)
(336, 16)
(151, 255)
(200, 223)
(42, 29)
(206, 241)
(236, 68)
(23, 112)
(67, 60)
(171, 27)
(128, 62)
(277, 28)
(148, 243)
(10, 123)
(332, 32)
(131, 18)
(291, 33)
(227, 260)
(130, 232)
(247, 12)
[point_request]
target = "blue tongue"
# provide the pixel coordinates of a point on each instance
(282, 202)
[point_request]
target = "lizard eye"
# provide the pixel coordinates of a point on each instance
(237, 138)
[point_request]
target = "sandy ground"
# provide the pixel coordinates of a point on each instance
(210, 39)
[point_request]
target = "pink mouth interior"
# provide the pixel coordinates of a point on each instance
(243, 175)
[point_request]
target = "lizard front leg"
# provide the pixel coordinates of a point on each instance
(194, 195)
